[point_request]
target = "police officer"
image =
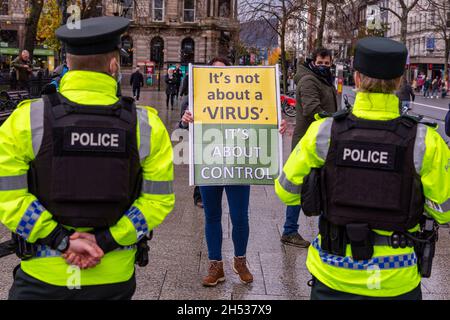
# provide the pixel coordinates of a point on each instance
(378, 173)
(84, 176)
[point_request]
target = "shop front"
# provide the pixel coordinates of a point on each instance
(43, 58)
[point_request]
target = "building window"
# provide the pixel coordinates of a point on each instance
(8, 38)
(224, 8)
(157, 51)
(127, 45)
(158, 10)
(4, 7)
(127, 9)
(189, 11)
(208, 8)
(187, 50)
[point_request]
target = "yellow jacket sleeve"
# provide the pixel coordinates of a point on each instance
(309, 153)
(435, 176)
(157, 198)
(20, 211)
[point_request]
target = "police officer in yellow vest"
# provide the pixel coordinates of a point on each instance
(377, 174)
(84, 176)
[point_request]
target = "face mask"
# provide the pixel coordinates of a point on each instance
(324, 71)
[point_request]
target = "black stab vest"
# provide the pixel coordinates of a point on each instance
(87, 172)
(369, 174)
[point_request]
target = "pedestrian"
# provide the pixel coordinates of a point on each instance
(24, 69)
(100, 176)
(178, 74)
(238, 200)
(435, 88)
(447, 122)
(405, 95)
(372, 208)
(184, 125)
(185, 86)
(420, 81)
(444, 86)
(58, 73)
(315, 93)
(137, 82)
(426, 88)
(171, 88)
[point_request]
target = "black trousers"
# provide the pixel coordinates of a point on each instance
(136, 92)
(26, 287)
(320, 291)
(170, 96)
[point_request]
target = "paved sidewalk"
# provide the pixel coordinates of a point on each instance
(178, 256)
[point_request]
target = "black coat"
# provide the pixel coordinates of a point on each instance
(406, 93)
(178, 74)
(171, 85)
(137, 79)
(185, 86)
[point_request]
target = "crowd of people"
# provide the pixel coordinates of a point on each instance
(430, 87)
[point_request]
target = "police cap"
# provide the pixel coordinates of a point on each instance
(95, 36)
(380, 58)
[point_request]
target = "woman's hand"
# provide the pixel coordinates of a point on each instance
(283, 126)
(187, 118)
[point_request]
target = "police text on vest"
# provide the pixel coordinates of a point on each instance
(369, 156)
(95, 139)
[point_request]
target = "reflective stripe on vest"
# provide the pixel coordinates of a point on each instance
(29, 219)
(419, 146)
(323, 138)
(139, 222)
(13, 182)
(288, 185)
(157, 187)
(446, 205)
(46, 252)
(37, 124)
(439, 207)
(387, 262)
(145, 131)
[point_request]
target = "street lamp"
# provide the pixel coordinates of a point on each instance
(117, 7)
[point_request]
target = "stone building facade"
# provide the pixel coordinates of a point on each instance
(165, 32)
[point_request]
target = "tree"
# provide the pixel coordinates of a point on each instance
(31, 25)
(320, 29)
(402, 16)
(277, 14)
(49, 21)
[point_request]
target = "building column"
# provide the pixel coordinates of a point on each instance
(142, 49)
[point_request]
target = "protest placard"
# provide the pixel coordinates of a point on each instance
(234, 138)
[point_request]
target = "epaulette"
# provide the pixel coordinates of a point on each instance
(341, 114)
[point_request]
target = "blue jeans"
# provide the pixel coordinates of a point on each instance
(405, 106)
(238, 200)
(291, 223)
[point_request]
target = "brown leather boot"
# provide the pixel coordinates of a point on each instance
(215, 274)
(240, 267)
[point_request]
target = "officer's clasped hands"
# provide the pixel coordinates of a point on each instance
(83, 251)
